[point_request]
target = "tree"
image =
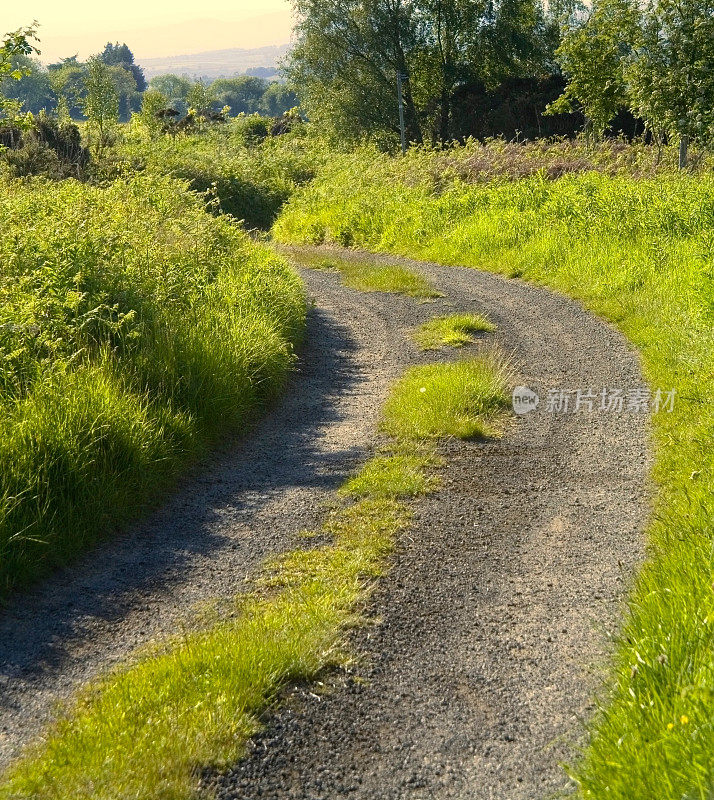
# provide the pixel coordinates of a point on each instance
(100, 105)
(277, 99)
(15, 46)
(201, 98)
(119, 55)
(152, 104)
(594, 55)
(656, 60)
(348, 54)
(33, 89)
(176, 89)
(68, 78)
(242, 94)
(671, 77)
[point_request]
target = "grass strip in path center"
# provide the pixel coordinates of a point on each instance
(151, 729)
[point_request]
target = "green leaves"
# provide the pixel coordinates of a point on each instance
(656, 59)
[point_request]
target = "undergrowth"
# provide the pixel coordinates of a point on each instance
(134, 327)
(639, 252)
(248, 181)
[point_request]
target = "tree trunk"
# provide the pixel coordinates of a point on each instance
(444, 124)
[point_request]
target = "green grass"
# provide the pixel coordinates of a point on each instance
(441, 400)
(134, 329)
(249, 182)
(368, 277)
(148, 730)
(454, 330)
(638, 252)
(396, 475)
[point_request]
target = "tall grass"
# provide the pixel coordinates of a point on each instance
(639, 252)
(133, 328)
(248, 180)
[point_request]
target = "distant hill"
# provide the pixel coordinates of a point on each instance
(213, 64)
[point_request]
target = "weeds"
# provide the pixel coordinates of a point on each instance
(134, 328)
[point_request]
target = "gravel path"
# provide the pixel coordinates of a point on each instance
(481, 665)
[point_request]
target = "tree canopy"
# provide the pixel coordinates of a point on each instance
(348, 54)
(655, 59)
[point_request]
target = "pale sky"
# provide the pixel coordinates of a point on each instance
(151, 28)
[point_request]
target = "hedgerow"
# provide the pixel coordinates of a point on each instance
(134, 327)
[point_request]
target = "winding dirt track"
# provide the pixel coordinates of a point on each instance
(482, 660)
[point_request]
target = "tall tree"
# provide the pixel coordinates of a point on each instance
(655, 59)
(100, 105)
(119, 55)
(349, 53)
(595, 55)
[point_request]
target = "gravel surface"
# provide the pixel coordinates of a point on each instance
(488, 632)
(491, 629)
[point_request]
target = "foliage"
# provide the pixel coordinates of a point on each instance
(153, 103)
(237, 176)
(33, 89)
(672, 77)
(594, 56)
(242, 94)
(277, 99)
(639, 253)
(100, 106)
(133, 328)
(120, 55)
(13, 48)
(175, 88)
(47, 147)
(348, 54)
(653, 58)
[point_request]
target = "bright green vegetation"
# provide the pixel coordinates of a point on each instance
(134, 327)
(195, 705)
(453, 330)
(249, 181)
(369, 277)
(454, 399)
(638, 252)
(192, 705)
(396, 475)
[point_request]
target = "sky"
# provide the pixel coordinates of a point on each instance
(151, 28)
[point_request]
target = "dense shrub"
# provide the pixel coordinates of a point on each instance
(133, 328)
(46, 148)
(246, 176)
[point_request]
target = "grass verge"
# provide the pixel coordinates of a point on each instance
(150, 729)
(454, 330)
(638, 252)
(134, 329)
(367, 277)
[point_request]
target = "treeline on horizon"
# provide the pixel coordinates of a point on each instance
(516, 69)
(61, 88)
